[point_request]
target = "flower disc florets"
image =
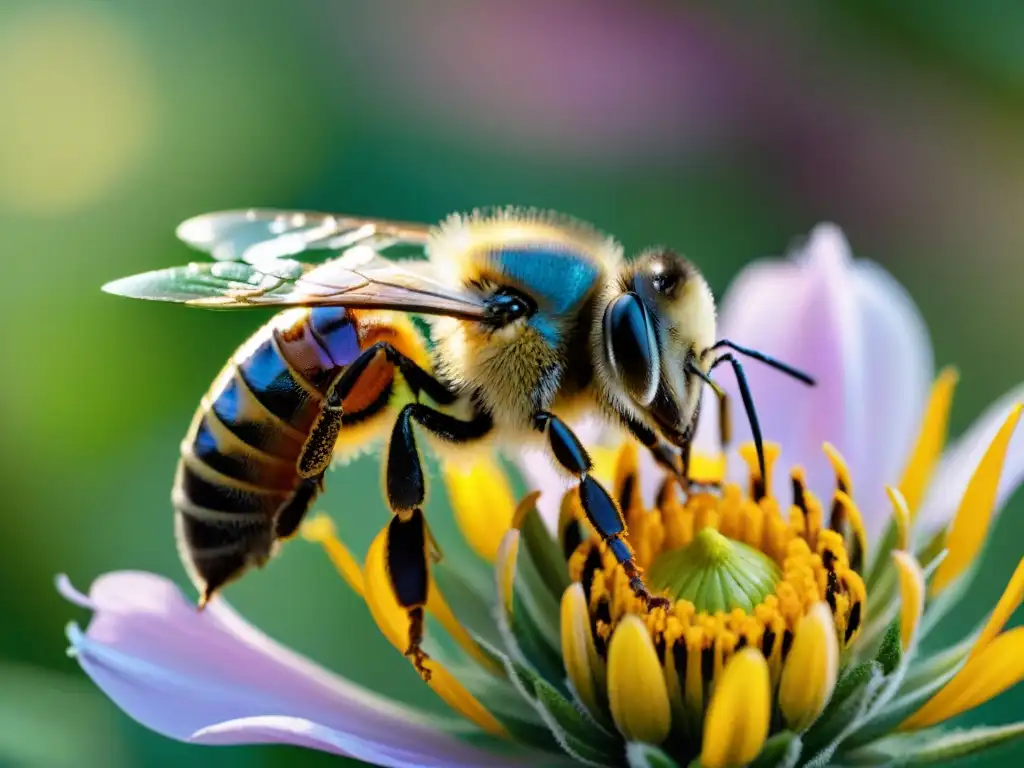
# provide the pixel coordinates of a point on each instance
(742, 569)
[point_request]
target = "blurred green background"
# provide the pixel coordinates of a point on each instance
(724, 132)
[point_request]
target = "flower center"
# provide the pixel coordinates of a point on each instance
(715, 573)
(740, 567)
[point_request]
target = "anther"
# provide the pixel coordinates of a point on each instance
(799, 490)
(853, 622)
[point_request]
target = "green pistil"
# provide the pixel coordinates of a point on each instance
(715, 573)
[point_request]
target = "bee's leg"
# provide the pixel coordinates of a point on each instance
(319, 446)
(407, 554)
(601, 510)
(407, 551)
(664, 454)
(408, 571)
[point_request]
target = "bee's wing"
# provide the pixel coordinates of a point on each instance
(259, 234)
(361, 277)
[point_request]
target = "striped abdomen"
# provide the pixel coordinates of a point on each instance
(237, 489)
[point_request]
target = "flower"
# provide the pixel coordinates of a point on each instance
(795, 625)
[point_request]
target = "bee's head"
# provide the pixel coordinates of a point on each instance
(662, 319)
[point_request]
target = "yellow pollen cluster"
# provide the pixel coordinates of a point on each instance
(811, 562)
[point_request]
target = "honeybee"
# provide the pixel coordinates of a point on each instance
(535, 317)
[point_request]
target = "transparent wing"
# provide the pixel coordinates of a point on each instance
(259, 234)
(361, 277)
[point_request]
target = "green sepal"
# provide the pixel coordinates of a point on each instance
(530, 730)
(545, 553)
(854, 693)
(600, 717)
(780, 751)
(569, 728)
(471, 607)
(881, 560)
(641, 755)
(924, 671)
(573, 730)
(890, 652)
(534, 644)
(948, 599)
(521, 636)
(542, 604)
(927, 680)
(935, 746)
(498, 695)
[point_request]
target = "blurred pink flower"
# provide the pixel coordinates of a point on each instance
(573, 80)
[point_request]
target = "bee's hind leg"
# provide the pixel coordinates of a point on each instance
(408, 537)
(600, 509)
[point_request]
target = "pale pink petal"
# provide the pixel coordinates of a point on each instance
(855, 330)
(960, 461)
(899, 369)
(802, 311)
(303, 733)
(179, 671)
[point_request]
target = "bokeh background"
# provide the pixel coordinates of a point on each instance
(726, 132)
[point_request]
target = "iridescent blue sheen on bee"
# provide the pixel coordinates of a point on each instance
(558, 279)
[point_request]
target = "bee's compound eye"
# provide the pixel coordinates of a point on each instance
(507, 305)
(631, 347)
(665, 283)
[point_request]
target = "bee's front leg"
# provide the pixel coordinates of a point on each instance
(598, 505)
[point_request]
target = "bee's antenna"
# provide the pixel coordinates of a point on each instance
(748, 405)
(724, 422)
(753, 353)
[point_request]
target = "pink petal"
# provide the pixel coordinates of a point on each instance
(960, 461)
(180, 672)
(854, 329)
(899, 369)
(303, 733)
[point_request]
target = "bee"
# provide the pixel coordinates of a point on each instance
(535, 318)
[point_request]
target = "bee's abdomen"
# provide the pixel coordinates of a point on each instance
(237, 487)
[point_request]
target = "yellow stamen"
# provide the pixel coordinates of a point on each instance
(482, 502)
(901, 514)
(1008, 603)
(524, 508)
(707, 469)
(930, 440)
(811, 669)
(970, 525)
(627, 482)
(583, 665)
(851, 513)
(997, 667)
(739, 714)
(760, 486)
(320, 529)
(840, 467)
(394, 624)
(637, 694)
(604, 459)
(912, 591)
